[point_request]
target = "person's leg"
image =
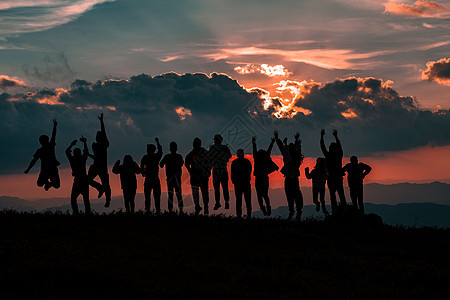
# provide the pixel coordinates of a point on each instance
(54, 180)
(92, 173)
(298, 198)
(289, 196)
(178, 193)
(42, 179)
(226, 193)
(315, 191)
(85, 193)
(157, 193)
(147, 193)
(354, 196)
(216, 185)
(322, 199)
(248, 200)
(238, 193)
(104, 177)
(340, 190)
(259, 194)
(126, 200)
(196, 196)
(265, 192)
(132, 198)
(205, 194)
(73, 198)
(331, 182)
(361, 198)
(170, 190)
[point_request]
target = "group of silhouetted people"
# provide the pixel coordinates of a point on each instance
(201, 163)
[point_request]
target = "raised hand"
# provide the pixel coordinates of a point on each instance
(322, 132)
(83, 139)
(26, 171)
(101, 117)
(272, 140)
(297, 135)
(253, 139)
(55, 123)
(275, 134)
(285, 140)
(335, 133)
(157, 139)
(74, 142)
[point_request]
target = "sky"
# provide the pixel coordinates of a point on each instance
(377, 71)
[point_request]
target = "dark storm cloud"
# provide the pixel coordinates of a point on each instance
(369, 115)
(7, 82)
(438, 71)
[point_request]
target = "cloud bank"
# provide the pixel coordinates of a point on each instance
(423, 9)
(369, 114)
(438, 71)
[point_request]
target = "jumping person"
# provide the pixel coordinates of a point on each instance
(150, 170)
(128, 182)
(49, 175)
(80, 185)
(319, 179)
(333, 158)
(263, 166)
(199, 167)
(220, 155)
(357, 171)
(173, 163)
(100, 166)
(241, 171)
(292, 158)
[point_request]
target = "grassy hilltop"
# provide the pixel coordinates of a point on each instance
(59, 256)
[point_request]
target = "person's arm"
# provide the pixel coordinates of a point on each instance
(163, 162)
(338, 142)
(322, 143)
(188, 163)
(159, 153)
(102, 127)
(142, 166)
(137, 170)
(345, 168)
(307, 174)
(298, 143)
(53, 138)
(269, 149)
(228, 152)
(69, 149)
(31, 165)
(116, 168)
(85, 147)
(181, 160)
(249, 168)
(279, 142)
(254, 146)
(366, 170)
(234, 172)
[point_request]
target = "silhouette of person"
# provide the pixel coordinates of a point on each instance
(150, 170)
(356, 171)
(49, 175)
(100, 166)
(80, 185)
(128, 182)
(333, 158)
(173, 162)
(241, 171)
(263, 166)
(292, 159)
(199, 167)
(319, 179)
(220, 155)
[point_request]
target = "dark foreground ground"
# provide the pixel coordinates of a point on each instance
(118, 256)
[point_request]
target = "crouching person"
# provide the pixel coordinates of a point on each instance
(128, 182)
(241, 170)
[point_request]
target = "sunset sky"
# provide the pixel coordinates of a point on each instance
(377, 71)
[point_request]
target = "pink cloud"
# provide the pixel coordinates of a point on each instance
(424, 9)
(438, 71)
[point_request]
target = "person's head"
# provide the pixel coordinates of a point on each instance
(354, 159)
(333, 147)
(291, 148)
(77, 152)
(218, 139)
(173, 147)
(127, 160)
(44, 140)
(320, 162)
(100, 137)
(151, 148)
(240, 153)
(262, 154)
(197, 143)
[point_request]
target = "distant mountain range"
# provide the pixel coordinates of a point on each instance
(403, 203)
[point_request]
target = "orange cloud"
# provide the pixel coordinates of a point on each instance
(438, 71)
(424, 9)
(349, 114)
(183, 113)
(10, 82)
(271, 71)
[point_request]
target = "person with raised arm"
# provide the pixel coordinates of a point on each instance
(220, 155)
(356, 171)
(292, 159)
(173, 163)
(198, 164)
(241, 172)
(128, 182)
(263, 166)
(150, 170)
(80, 185)
(333, 158)
(100, 166)
(49, 175)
